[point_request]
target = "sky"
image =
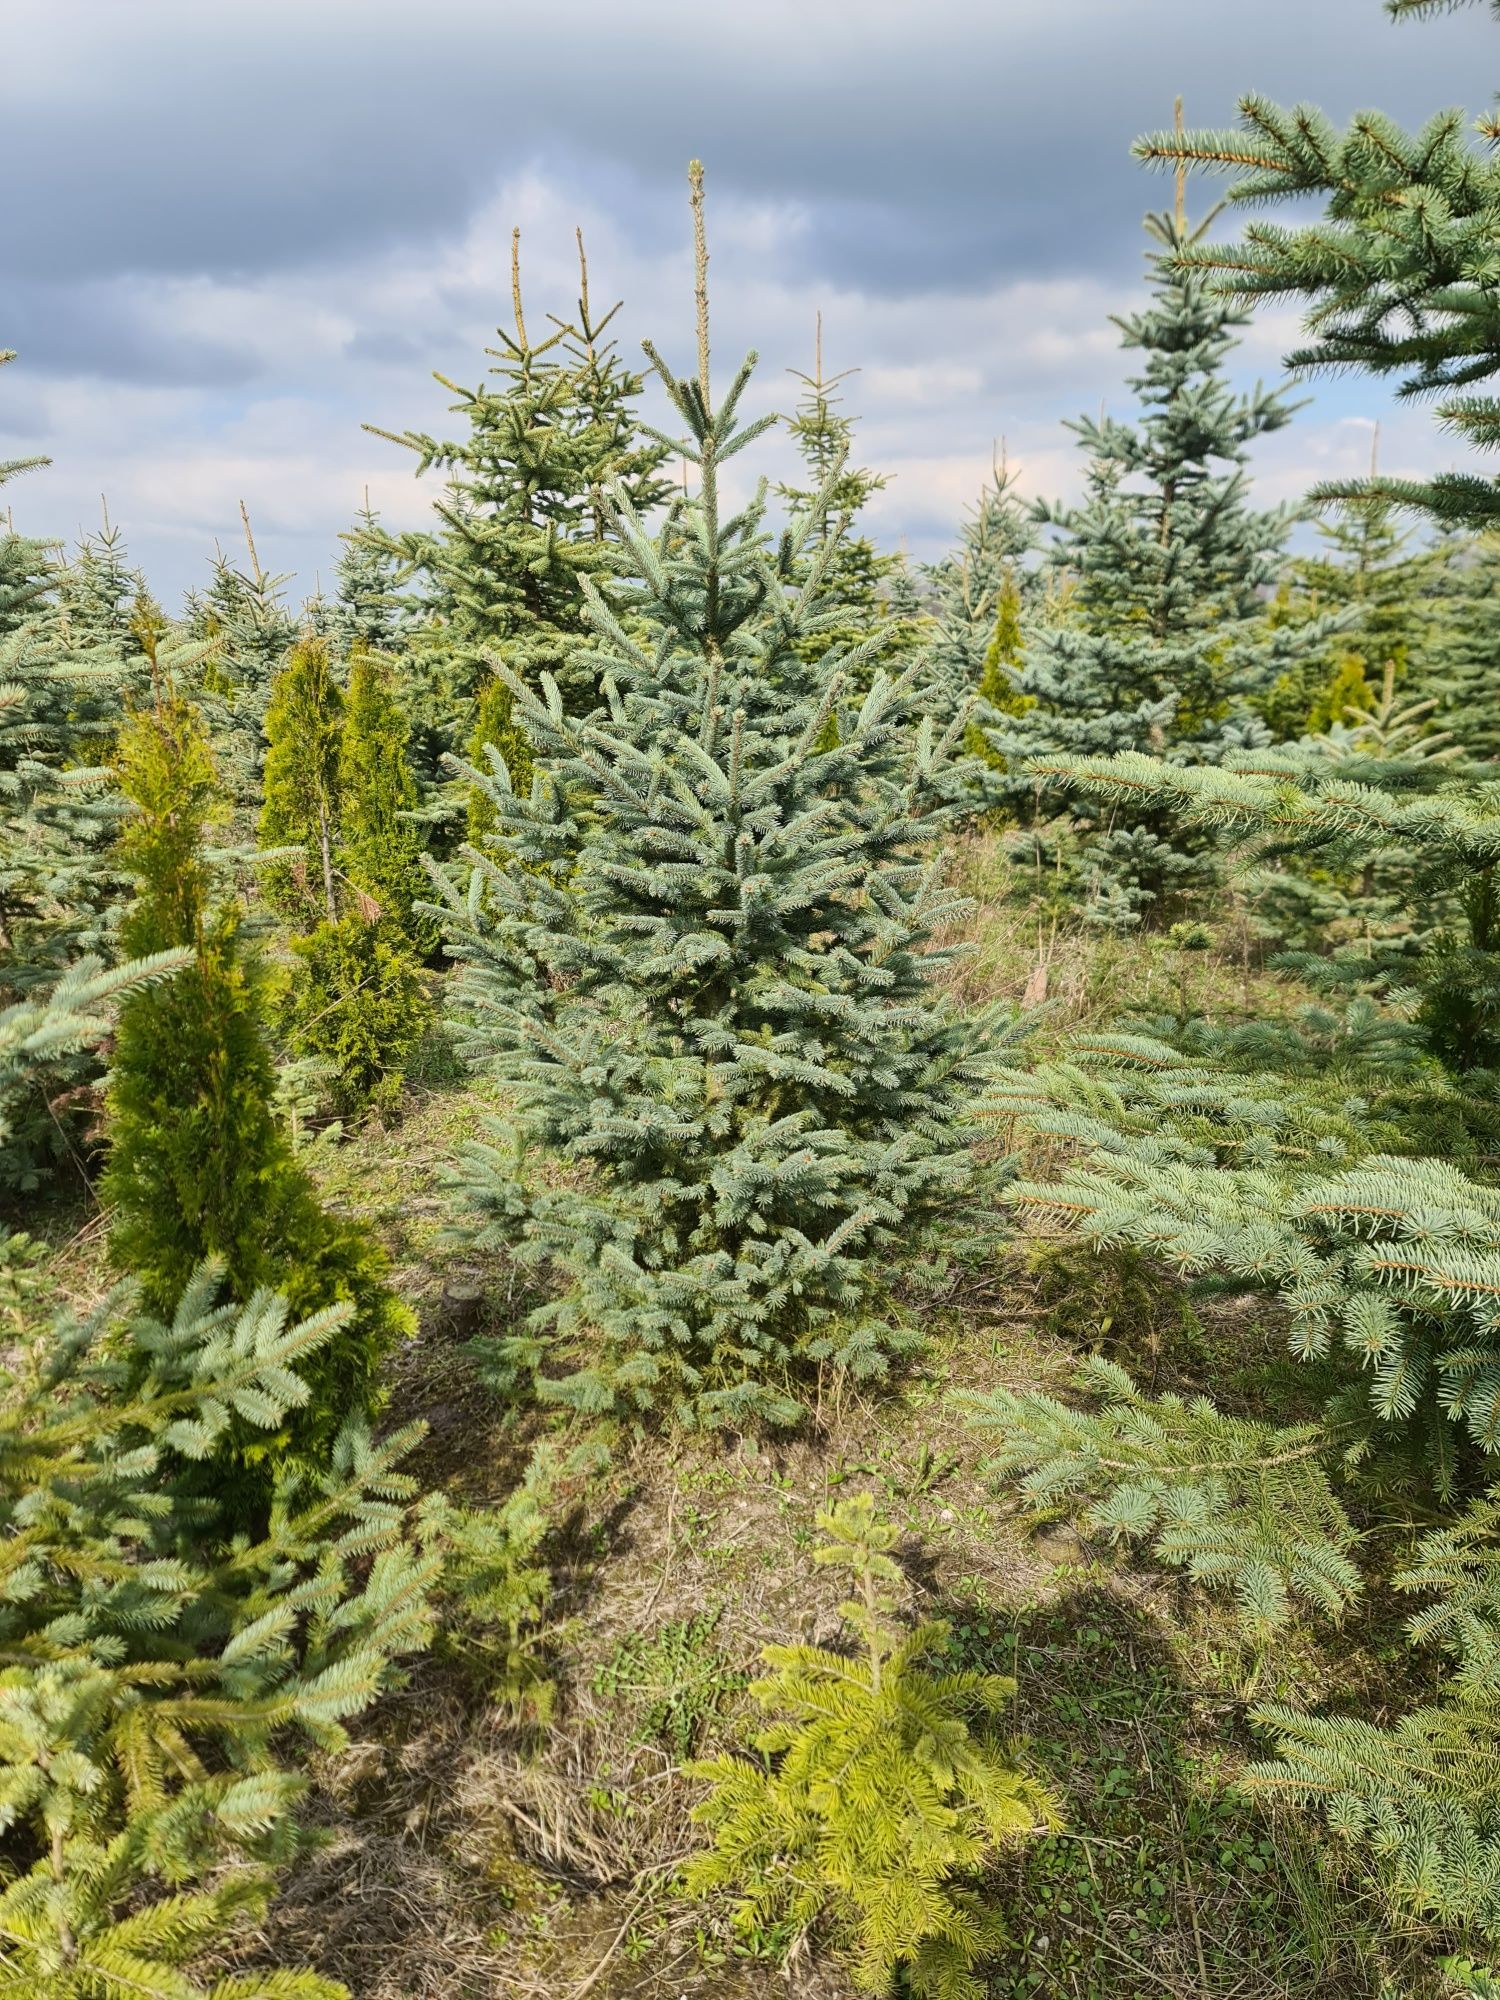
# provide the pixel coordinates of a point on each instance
(231, 236)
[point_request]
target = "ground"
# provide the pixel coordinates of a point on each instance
(470, 1852)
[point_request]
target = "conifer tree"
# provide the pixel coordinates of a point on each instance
(1167, 635)
(495, 727)
(337, 783)
(1384, 590)
(163, 1681)
(198, 1165)
(979, 595)
(300, 806)
(98, 594)
(1385, 1267)
(27, 566)
(880, 1789)
(856, 575)
(521, 521)
(1460, 668)
(700, 951)
(1396, 272)
(380, 848)
(369, 608)
(244, 620)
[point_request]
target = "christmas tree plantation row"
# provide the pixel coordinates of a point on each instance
(634, 804)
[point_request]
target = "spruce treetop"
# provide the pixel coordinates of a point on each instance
(522, 520)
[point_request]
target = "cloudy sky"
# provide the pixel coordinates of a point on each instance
(230, 235)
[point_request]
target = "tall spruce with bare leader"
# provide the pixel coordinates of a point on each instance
(699, 952)
(1166, 637)
(521, 522)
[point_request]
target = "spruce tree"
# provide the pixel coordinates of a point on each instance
(98, 595)
(243, 619)
(198, 1165)
(369, 608)
(1166, 636)
(879, 1789)
(856, 575)
(700, 951)
(27, 566)
(521, 521)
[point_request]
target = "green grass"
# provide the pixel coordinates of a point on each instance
(1165, 1879)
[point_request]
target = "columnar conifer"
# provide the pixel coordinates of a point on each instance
(198, 1165)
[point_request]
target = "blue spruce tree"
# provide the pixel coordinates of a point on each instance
(1167, 633)
(699, 955)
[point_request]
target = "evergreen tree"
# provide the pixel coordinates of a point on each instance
(369, 608)
(856, 575)
(1385, 1266)
(243, 617)
(380, 849)
(356, 1002)
(497, 729)
(1396, 273)
(1384, 593)
(1461, 665)
(27, 567)
(979, 597)
(1167, 635)
(99, 596)
(521, 522)
(337, 784)
(300, 807)
(198, 1165)
(162, 1681)
(881, 1788)
(700, 952)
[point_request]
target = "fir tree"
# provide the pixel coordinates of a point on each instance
(99, 594)
(27, 567)
(881, 1789)
(856, 575)
(979, 596)
(700, 952)
(1384, 592)
(198, 1165)
(243, 619)
(369, 608)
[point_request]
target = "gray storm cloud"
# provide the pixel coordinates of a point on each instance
(233, 234)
